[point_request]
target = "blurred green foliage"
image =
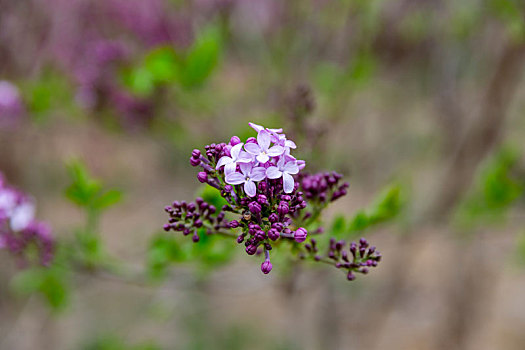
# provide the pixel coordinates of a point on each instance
(166, 65)
(50, 282)
(87, 192)
(385, 207)
(113, 342)
(496, 188)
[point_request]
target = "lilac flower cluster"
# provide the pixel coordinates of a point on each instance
(11, 105)
(263, 185)
(18, 227)
(358, 258)
(100, 39)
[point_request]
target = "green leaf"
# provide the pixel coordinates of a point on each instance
(387, 206)
(50, 282)
(107, 199)
(338, 226)
(163, 64)
(83, 188)
(163, 251)
(359, 222)
(202, 58)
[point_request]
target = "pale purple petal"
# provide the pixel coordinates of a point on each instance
(22, 216)
(280, 163)
(258, 174)
(262, 158)
(275, 151)
(245, 157)
(288, 183)
(252, 148)
(223, 161)
(246, 168)
(249, 188)
(290, 144)
(273, 173)
(235, 178)
(276, 130)
(301, 164)
(291, 168)
(256, 127)
(230, 168)
(263, 139)
(236, 150)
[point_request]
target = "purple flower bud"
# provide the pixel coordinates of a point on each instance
(198, 223)
(273, 234)
(273, 218)
(263, 186)
(278, 226)
(195, 237)
(283, 208)
(235, 140)
(251, 140)
(251, 249)
(196, 154)
(300, 235)
(228, 188)
(262, 200)
(167, 227)
(233, 224)
(240, 239)
(255, 208)
(350, 276)
(202, 177)
(194, 161)
(266, 266)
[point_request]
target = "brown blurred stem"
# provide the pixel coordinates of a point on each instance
(486, 131)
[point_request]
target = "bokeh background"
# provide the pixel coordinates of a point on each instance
(427, 95)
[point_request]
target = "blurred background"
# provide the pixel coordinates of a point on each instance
(427, 96)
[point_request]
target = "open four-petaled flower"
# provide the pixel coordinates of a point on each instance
(285, 169)
(248, 176)
(262, 150)
(237, 156)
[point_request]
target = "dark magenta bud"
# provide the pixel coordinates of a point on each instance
(194, 162)
(273, 234)
(251, 249)
(235, 140)
(273, 218)
(196, 153)
(198, 223)
(262, 200)
(240, 239)
(234, 224)
(195, 237)
(350, 276)
(255, 208)
(300, 235)
(167, 227)
(202, 177)
(283, 208)
(266, 266)
(251, 140)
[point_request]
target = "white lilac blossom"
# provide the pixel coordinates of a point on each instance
(262, 150)
(237, 155)
(267, 195)
(248, 176)
(11, 106)
(18, 227)
(285, 169)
